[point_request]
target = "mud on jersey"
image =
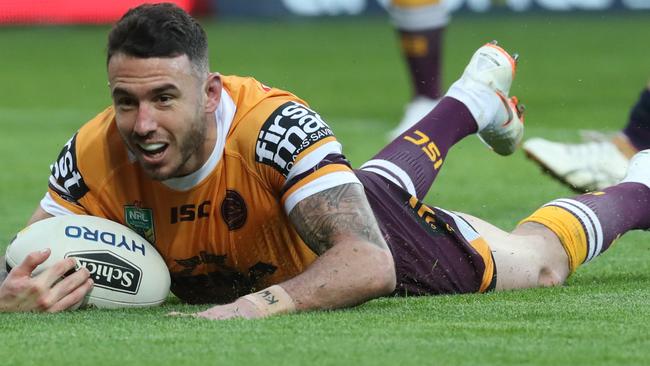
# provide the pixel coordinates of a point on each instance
(223, 230)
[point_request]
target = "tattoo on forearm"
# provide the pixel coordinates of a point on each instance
(342, 210)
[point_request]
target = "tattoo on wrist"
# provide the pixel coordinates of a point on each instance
(271, 301)
(342, 210)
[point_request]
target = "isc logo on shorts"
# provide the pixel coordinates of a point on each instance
(65, 178)
(287, 132)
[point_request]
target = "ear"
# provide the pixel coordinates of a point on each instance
(212, 92)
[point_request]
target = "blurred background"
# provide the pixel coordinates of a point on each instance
(84, 11)
(583, 64)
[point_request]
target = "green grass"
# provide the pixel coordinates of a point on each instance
(575, 72)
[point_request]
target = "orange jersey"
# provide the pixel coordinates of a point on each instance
(223, 230)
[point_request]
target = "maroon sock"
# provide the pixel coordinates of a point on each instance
(588, 224)
(422, 51)
(619, 209)
(421, 150)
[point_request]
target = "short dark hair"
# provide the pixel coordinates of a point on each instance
(159, 30)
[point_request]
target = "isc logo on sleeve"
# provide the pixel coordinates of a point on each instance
(66, 179)
(287, 132)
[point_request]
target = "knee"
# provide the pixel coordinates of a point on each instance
(549, 276)
(551, 258)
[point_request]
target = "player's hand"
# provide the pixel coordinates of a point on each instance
(241, 308)
(47, 291)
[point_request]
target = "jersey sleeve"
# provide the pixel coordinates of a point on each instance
(297, 144)
(82, 167)
(66, 186)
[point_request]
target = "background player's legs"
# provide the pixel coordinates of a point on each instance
(565, 233)
(602, 160)
(637, 129)
(420, 25)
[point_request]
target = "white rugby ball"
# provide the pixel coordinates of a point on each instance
(127, 271)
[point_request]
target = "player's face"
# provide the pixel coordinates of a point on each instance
(165, 112)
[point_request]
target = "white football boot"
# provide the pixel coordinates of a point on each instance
(484, 88)
(639, 168)
(585, 167)
(413, 113)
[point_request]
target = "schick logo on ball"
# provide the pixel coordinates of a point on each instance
(110, 271)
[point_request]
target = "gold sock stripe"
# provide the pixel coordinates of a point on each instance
(589, 221)
(569, 230)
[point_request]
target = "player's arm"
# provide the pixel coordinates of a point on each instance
(354, 263)
(19, 291)
(45, 292)
(38, 215)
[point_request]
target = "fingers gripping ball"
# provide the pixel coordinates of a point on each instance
(127, 271)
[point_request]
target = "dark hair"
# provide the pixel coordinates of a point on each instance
(159, 30)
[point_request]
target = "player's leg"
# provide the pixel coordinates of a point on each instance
(637, 130)
(530, 256)
(566, 233)
(599, 162)
(478, 101)
(420, 25)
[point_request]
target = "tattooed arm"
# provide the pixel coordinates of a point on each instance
(355, 264)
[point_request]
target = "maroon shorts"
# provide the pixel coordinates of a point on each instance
(435, 251)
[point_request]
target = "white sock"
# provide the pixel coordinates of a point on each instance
(637, 170)
(481, 100)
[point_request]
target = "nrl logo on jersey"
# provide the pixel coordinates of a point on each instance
(287, 132)
(141, 221)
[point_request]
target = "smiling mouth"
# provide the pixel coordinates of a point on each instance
(152, 150)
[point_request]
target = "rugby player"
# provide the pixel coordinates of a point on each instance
(420, 25)
(254, 207)
(602, 160)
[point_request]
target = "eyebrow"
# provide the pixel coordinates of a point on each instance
(164, 88)
(161, 89)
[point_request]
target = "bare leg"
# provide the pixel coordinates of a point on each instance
(530, 256)
(568, 232)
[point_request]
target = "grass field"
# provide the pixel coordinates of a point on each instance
(576, 71)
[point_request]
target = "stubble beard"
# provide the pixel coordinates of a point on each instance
(189, 146)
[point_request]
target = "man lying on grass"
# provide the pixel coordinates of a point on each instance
(255, 208)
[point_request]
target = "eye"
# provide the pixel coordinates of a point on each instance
(125, 103)
(165, 99)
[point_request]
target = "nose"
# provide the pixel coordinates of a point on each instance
(145, 123)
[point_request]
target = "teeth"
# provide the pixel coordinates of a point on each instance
(150, 147)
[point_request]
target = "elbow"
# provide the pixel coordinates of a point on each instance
(385, 278)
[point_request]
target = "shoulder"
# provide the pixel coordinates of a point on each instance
(88, 157)
(286, 144)
(272, 127)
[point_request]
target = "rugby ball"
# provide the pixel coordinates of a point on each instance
(127, 271)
